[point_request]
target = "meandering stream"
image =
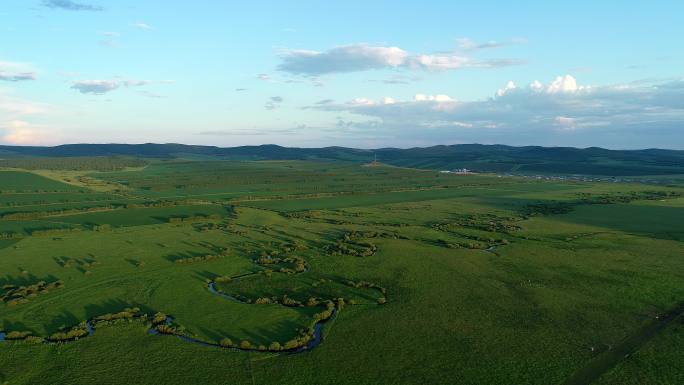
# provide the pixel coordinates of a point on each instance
(316, 339)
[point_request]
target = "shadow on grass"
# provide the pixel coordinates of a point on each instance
(652, 220)
(26, 280)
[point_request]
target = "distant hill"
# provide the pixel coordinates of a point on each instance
(483, 158)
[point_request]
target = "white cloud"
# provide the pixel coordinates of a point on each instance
(565, 83)
(509, 87)
(348, 58)
(136, 83)
(442, 124)
(19, 132)
(536, 85)
(16, 120)
(467, 44)
(439, 62)
(535, 113)
(561, 85)
(15, 72)
(141, 25)
(565, 123)
(363, 57)
(362, 102)
(100, 87)
(97, 87)
(441, 98)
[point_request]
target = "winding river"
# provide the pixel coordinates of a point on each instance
(316, 339)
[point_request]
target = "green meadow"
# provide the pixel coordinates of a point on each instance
(304, 272)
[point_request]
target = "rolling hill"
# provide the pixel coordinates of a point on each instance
(484, 158)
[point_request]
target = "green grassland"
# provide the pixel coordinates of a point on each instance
(19, 181)
(413, 276)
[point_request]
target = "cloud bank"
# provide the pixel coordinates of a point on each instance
(363, 57)
(559, 107)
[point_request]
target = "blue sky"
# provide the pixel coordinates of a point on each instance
(314, 73)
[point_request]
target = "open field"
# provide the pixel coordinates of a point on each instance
(220, 272)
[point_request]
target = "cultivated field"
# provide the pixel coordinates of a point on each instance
(303, 272)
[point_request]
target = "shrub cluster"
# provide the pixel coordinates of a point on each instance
(223, 279)
(14, 295)
(10, 235)
(563, 207)
(370, 285)
(298, 264)
(284, 300)
(588, 198)
(193, 218)
(349, 247)
(199, 258)
(126, 314)
(159, 318)
(78, 331)
(547, 208)
(483, 222)
(17, 335)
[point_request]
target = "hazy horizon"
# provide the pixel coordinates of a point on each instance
(332, 146)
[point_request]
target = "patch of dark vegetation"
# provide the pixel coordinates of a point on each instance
(10, 235)
(29, 215)
(200, 258)
(46, 232)
(192, 218)
(354, 248)
(604, 199)
(483, 222)
(295, 264)
(314, 216)
(308, 214)
(81, 163)
(355, 243)
(547, 208)
(370, 285)
(472, 241)
(462, 245)
(564, 207)
(15, 295)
